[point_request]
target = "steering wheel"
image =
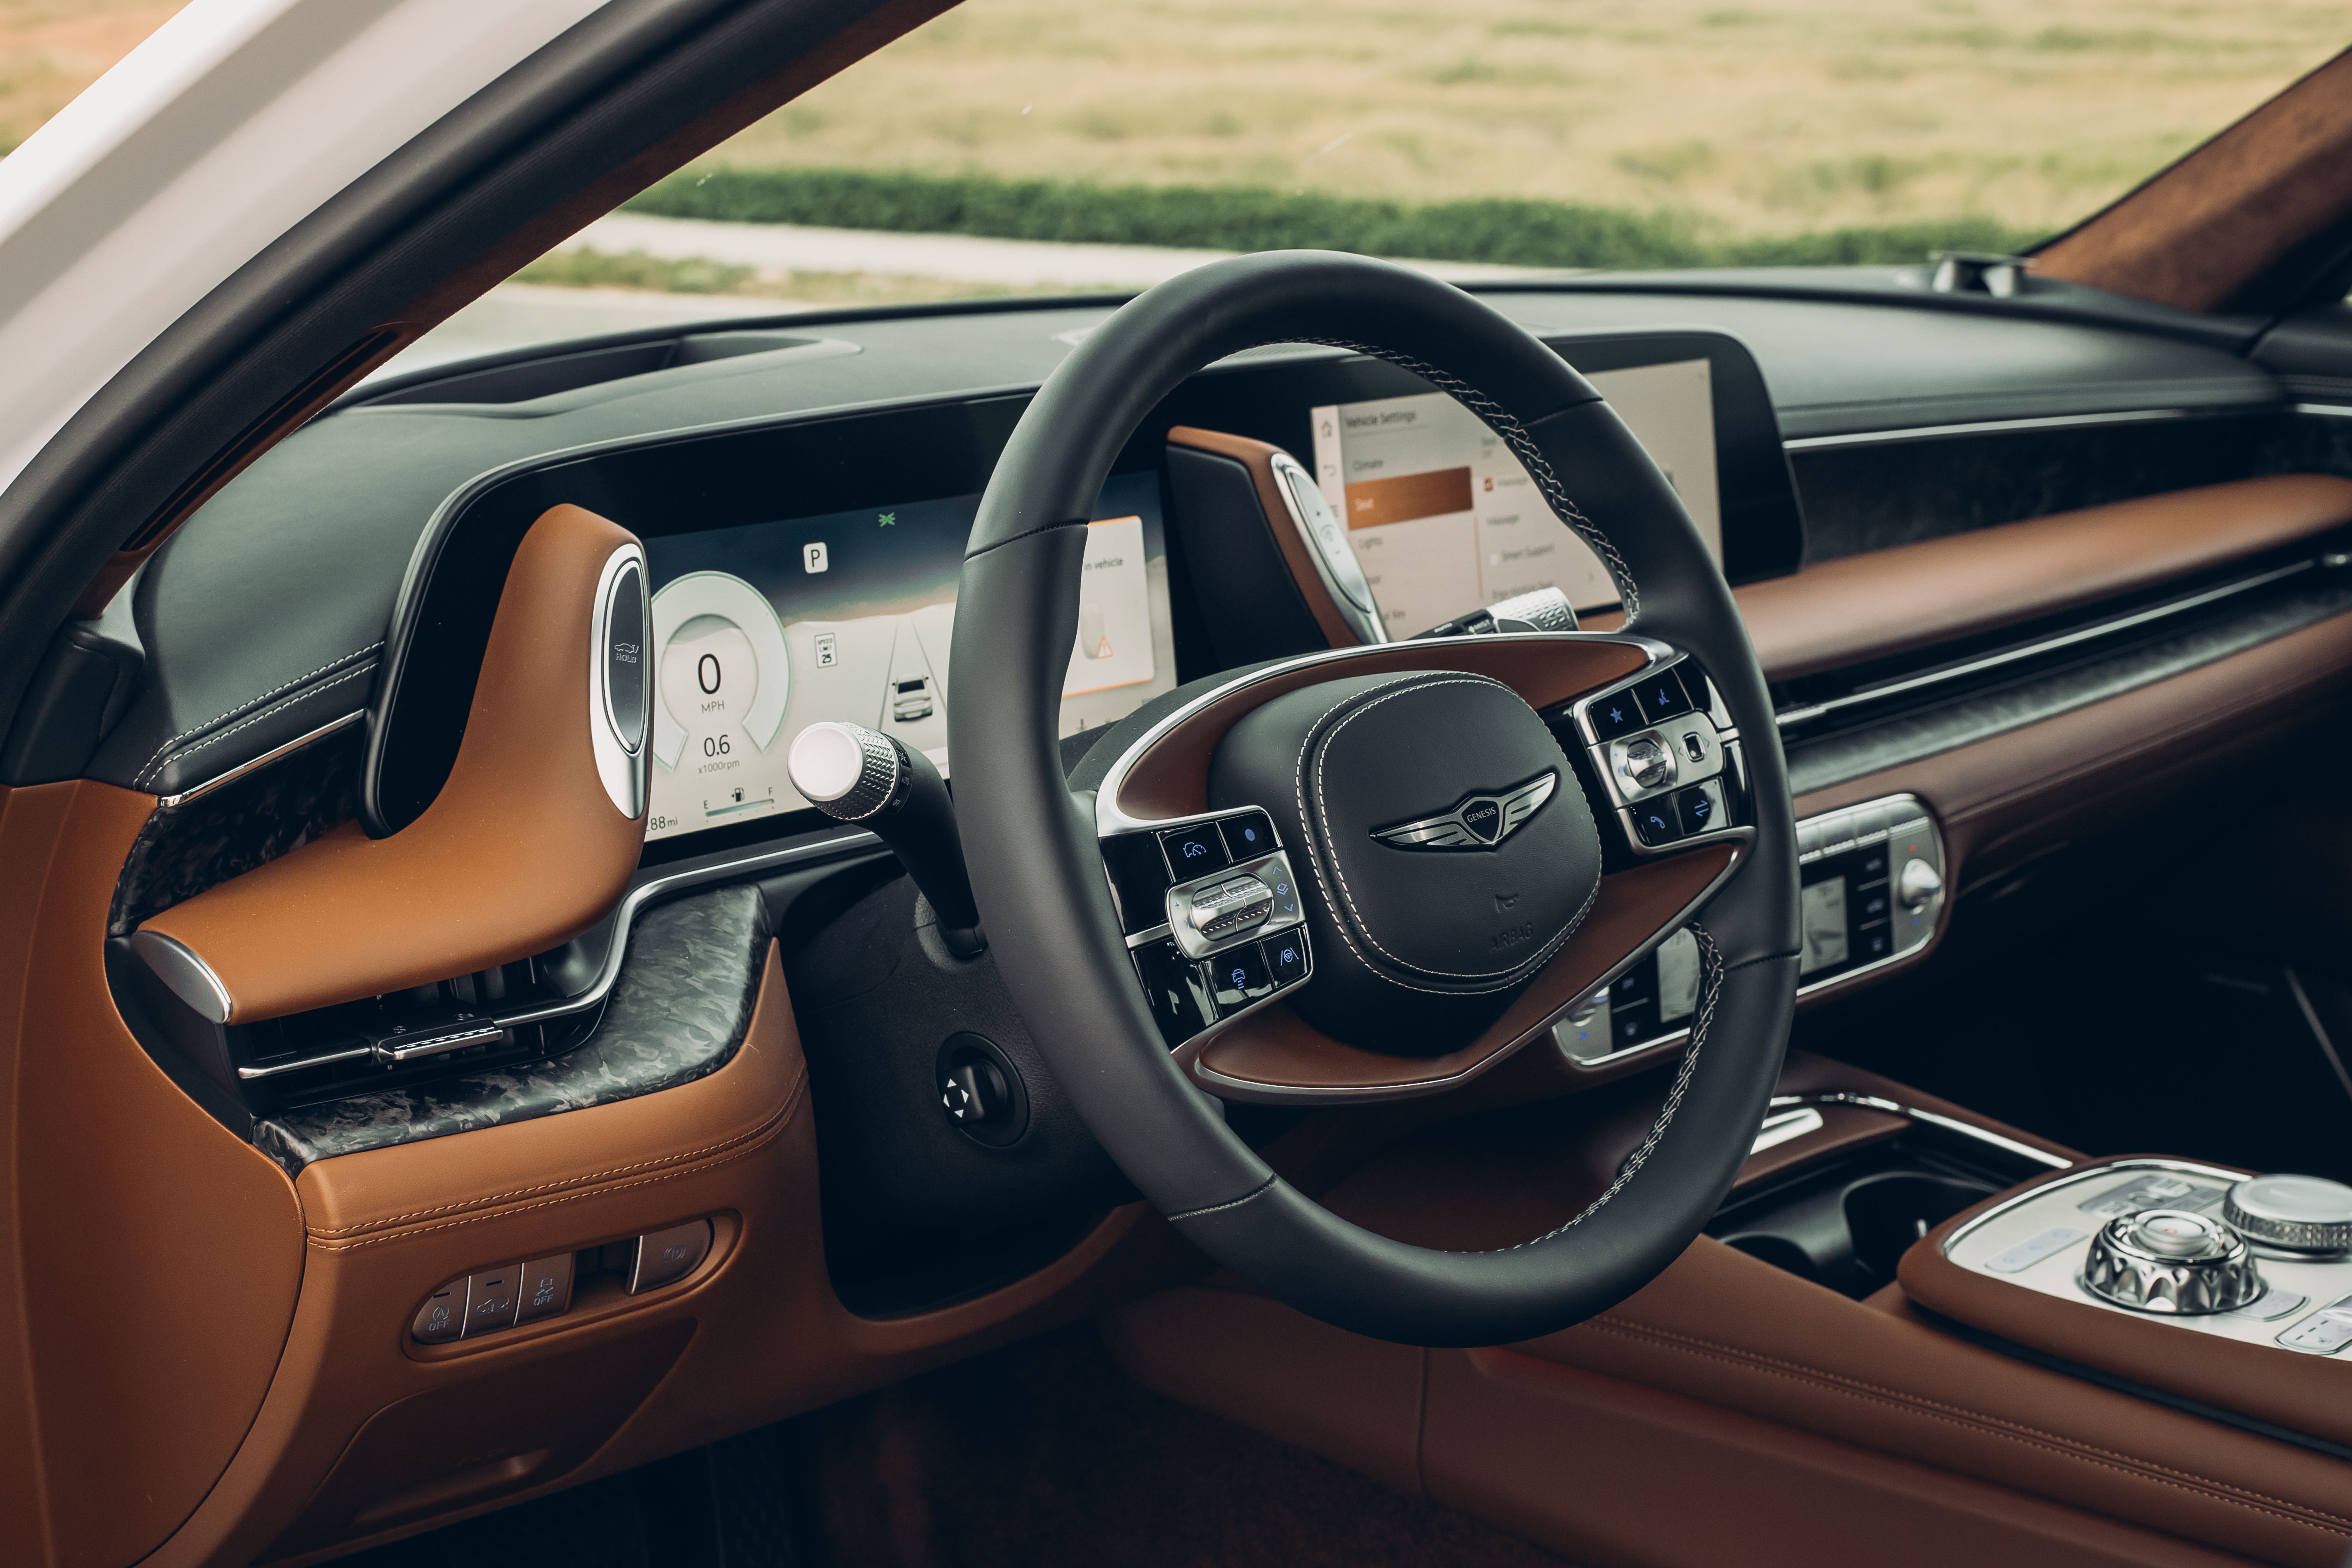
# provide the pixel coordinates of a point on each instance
(1339, 749)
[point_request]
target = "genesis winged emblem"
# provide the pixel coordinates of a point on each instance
(1477, 821)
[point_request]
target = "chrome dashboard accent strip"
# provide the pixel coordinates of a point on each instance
(1793, 718)
(2003, 427)
(325, 1058)
(197, 790)
(1952, 1125)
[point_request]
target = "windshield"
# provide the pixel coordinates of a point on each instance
(1015, 147)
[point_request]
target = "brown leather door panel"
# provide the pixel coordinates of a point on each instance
(157, 1256)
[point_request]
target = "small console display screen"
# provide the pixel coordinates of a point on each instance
(1444, 520)
(761, 630)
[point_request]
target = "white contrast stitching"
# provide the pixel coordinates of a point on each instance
(274, 709)
(1523, 445)
(1711, 991)
(163, 752)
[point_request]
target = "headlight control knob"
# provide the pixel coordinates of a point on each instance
(2171, 1260)
(2293, 1214)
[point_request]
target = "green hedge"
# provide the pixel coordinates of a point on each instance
(1521, 233)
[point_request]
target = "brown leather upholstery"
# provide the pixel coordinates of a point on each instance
(1891, 601)
(154, 1256)
(521, 851)
(2312, 1395)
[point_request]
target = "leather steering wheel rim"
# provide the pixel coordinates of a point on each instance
(1038, 874)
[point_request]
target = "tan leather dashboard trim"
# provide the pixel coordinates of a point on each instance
(1257, 457)
(1912, 597)
(477, 880)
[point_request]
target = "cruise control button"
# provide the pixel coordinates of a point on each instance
(1247, 837)
(1278, 882)
(1194, 851)
(1285, 958)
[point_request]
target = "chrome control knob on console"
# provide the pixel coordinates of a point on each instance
(1918, 885)
(2170, 1260)
(2293, 1214)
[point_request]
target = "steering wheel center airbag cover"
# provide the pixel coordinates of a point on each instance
(1451, 848)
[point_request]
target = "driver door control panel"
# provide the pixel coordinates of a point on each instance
(1213, 918)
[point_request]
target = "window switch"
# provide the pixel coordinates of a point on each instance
(492, 1299)
(667, 1255)
(546, 1288)
(443, 1316)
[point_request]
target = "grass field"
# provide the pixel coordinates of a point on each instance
(1731, 120)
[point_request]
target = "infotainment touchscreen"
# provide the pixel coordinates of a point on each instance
(761, 630)
(1444, 519)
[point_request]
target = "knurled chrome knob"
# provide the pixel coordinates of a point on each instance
(2293, 1214)
(1918, 885)
(2170, 1260)
(1647, 764)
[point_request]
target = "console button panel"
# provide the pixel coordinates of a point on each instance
(491, 1301)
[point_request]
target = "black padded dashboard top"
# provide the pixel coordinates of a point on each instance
(266, 617)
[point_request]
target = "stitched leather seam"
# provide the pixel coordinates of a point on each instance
(488, 1198)
(163, 751)
(1712, 972)
(1993, 1425)
(1502, 980)
(1256, 1191)
(764, 1138)
(269, 713)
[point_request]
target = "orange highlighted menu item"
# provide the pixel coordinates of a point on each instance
(1372, 503)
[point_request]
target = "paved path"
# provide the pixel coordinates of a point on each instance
(1012, 263)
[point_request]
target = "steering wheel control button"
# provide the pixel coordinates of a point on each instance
(1175, 991)
(1617, 715)
(546, 1288)
(664, 1256)
(1661, 697)
(2026, 1254)
(1138, 880)
(1645, 764)
(1656, 822)
(1194, 851)
(1248, 835)
(2323, 1333)
(2171, 1260)
(1240, 977)
(1285, 958)
(1229, 907)
(492, 1298)
(443, 1316)
(1701, 807)
(2306, 1214)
